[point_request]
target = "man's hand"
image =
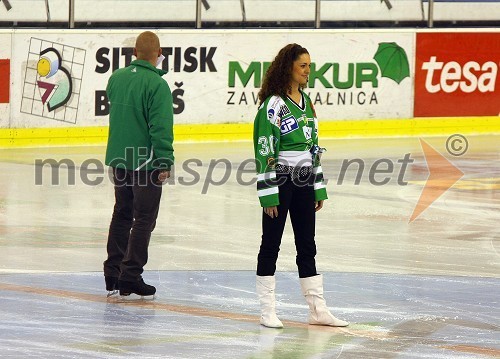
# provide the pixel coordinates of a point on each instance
(162, 177)
(271, 211)
(318, 206)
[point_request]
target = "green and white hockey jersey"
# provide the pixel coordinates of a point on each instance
(284, 133)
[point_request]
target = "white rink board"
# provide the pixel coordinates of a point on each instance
(199, 74)
(5, 45)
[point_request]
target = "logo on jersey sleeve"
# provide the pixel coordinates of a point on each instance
(288, 125)
(275, 120)
(272, 112)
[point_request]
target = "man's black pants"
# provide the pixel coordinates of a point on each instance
(137, 200)
(297, 197)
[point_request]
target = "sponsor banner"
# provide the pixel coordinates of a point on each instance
(48, 73)
(353, 75)
(457, 74)
(215, 76)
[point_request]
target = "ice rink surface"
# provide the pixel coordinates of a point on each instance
(425, 289)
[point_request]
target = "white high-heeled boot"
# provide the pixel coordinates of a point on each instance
(312, 288)
(265, 291)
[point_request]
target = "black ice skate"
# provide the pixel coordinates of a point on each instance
(111, 285)
(136, 290)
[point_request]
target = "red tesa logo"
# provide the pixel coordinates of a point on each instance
(457, 75)
(451, 76)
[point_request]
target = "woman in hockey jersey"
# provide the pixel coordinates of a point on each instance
(290, 180)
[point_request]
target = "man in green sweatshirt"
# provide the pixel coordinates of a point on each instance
(140, 153)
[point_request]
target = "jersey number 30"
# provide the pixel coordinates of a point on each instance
(267, 146)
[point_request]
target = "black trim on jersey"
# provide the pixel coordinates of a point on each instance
(268, 183)
(318, 177)
(303, 108)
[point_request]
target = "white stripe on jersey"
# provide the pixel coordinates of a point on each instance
(295, 158)
(267, 191)
(319, 185)
(317, 170)
(266, 176)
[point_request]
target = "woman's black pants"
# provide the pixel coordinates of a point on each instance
(297, 198)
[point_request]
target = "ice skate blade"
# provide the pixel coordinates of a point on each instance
(134, 298)
(112, 293)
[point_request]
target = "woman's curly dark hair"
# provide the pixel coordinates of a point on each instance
(277, 78)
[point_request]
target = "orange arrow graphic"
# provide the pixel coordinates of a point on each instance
(442, 175)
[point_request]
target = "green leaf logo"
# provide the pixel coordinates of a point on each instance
(393, 61)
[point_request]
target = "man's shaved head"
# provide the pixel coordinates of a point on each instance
(147, 46)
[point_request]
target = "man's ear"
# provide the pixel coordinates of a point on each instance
(160, 51)
(135, 52)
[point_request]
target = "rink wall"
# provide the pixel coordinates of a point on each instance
(362, 83)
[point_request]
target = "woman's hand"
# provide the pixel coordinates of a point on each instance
(319, 205)
(271, 211)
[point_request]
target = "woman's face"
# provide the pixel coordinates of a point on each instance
(300, 71)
